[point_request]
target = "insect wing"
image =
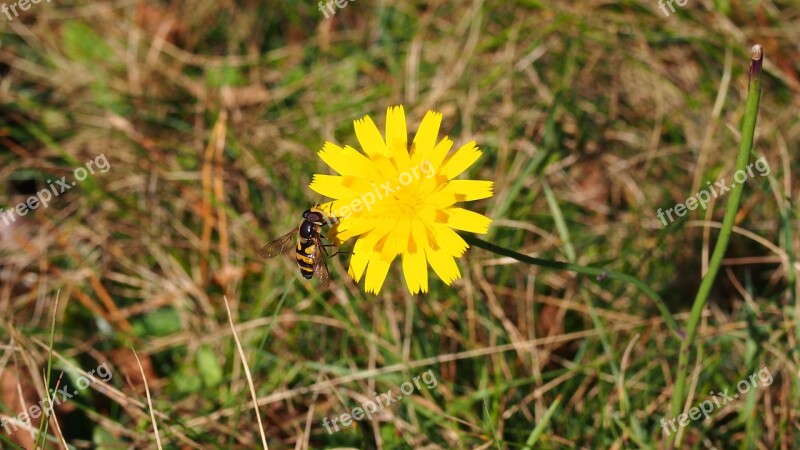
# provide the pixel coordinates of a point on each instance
(320, 266)
(277, 246)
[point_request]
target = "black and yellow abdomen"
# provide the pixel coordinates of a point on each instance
(305, 257)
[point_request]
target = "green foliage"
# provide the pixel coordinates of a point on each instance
(591, 117)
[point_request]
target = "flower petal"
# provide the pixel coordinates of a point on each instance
(376, 273)
(448, 240)
(415, 271)
(439, 152)
(357, 227)
(461, 191)
(386, 167)
(460, 160)
(347, 161)
(369, 137)
(443, 264)
(428, 131)
(393, 244)
(331, 186)
(359, 260)
(364, 249)
(466, 220)
(397, 137)
(418, 239)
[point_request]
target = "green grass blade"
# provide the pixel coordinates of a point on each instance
(539, 428)
(748, 131)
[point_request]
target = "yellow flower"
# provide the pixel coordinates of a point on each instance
(401, 201)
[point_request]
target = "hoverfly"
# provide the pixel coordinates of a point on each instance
(310, 252)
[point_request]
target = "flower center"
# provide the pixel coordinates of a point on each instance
(404, 203)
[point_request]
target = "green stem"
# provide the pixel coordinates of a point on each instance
(748, 130)
(586, 270)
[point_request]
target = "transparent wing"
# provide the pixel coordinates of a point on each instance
(320, 266)
(277, 246)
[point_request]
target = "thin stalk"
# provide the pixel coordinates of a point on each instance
(42, 436)
(538, 430)
(748, 131)
(586, 270)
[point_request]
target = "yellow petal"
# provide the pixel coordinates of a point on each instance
(466, 220)
(376, 273)
(364, 249)
(397, 138)
(439, 152)
(357, 227)
(386, 167)
(395, 241)
(443, 264)
(448, 240)
(434, 183)
(396, 126)
(347, 161)
(418, 239)
(415, 271)
(456, 163)
(369, 137)
(331, 186)
(359, 259)
(461, 191)
(426, 136)
(401, 160)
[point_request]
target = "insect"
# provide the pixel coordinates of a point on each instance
(310, 251)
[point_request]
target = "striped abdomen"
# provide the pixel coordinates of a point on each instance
(305, 257)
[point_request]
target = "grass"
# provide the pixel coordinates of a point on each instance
(592, 116)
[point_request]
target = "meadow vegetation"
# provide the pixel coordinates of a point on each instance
(591, 117)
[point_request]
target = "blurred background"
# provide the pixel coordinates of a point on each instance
(178, 137)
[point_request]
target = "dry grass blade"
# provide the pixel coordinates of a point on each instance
(149, 401)
(212, 116)
(247, 374)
